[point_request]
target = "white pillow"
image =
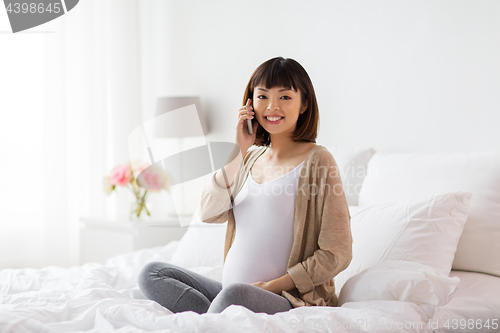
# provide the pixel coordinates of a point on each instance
(201, 245)
(398, 176)
(401, 281)
(352, 163)
(355, 209)
(424, 230)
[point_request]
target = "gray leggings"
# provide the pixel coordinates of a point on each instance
(179, 289)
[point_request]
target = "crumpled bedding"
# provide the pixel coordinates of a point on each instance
(96, 298)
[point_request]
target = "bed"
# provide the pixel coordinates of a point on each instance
(445, 205)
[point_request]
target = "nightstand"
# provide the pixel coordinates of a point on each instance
(101, 239)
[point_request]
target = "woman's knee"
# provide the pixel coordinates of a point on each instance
(150, 271)
(237, 290)
(234, 293)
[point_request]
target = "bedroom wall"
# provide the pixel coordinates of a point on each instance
(394, 75)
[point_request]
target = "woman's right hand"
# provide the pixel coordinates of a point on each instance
(243, 139)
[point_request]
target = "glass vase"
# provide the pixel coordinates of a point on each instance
(139, 210)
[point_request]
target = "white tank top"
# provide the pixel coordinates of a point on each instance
(263, 240)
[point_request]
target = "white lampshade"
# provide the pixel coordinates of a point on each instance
(179, 125)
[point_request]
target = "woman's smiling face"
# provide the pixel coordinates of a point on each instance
(274, 103)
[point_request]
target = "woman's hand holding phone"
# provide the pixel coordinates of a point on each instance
(243, 137)
(244, 140)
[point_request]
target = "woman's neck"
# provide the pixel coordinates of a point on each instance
(282, 149)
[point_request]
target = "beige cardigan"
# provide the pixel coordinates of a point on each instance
(322, 242)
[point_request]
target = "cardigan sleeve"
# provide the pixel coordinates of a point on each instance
(334, 251)
(214, 204)
(215, 201)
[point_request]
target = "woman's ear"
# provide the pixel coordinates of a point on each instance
(304, 108)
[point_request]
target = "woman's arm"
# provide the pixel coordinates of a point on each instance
(335, 239)
(217, 195)
(230, 170)
(215, 199)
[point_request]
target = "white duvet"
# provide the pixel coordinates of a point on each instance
(97, 298)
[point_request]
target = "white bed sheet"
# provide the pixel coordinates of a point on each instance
(476, 301)
(96, 298)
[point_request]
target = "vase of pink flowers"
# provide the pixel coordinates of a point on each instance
(141, 178)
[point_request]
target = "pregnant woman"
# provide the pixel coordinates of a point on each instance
(288, 232)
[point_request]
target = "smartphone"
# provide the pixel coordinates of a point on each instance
(249, 123)
(250, 126)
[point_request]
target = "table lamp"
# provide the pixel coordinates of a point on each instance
(180, 125)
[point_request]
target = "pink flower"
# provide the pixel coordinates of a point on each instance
(152, 178)
(121, 175)
(140, 167)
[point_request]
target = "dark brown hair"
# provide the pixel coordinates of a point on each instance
(287, 73)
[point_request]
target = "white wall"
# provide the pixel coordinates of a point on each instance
(394, 75)
(69, 99)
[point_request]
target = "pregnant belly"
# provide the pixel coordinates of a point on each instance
(249, 264)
